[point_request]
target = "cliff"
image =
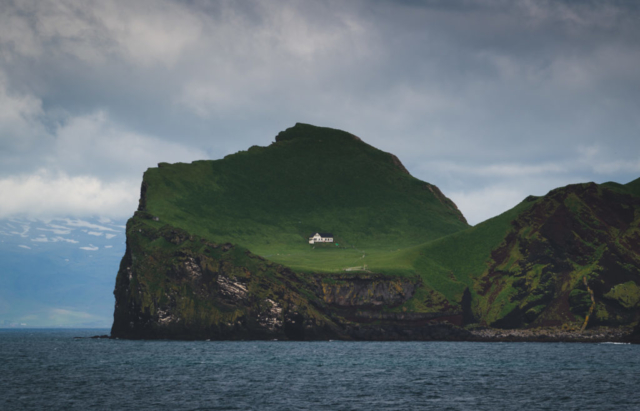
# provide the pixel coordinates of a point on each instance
(175, 285)
(569, 259)
(572, 258)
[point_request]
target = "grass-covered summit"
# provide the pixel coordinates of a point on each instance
(311, 179)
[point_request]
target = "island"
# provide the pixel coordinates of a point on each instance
(224, 250)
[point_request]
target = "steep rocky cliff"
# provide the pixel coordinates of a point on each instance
(175, 285)
(569, 259)
(572, 258)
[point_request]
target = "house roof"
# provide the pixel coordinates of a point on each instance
(322, 234)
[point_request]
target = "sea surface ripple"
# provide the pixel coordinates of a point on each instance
(49, 369)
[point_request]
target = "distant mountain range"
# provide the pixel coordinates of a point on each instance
(58, 273)
(219, 249)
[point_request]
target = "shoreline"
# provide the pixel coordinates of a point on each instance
(595, 335)
(550, 335)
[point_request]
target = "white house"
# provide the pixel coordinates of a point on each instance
(321, 238)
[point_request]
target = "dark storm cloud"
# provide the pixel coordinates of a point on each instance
(490, 100)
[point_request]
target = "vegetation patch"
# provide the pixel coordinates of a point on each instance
(627, 294)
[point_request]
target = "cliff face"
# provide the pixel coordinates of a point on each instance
(174, 285)
(572, 258)
(364, 290)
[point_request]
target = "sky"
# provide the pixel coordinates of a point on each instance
(490, 100)
(59, 272)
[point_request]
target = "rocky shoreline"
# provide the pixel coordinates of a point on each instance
(595, 335)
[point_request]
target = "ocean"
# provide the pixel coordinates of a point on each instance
(49, 369)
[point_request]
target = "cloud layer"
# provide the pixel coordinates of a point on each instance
(490, 100)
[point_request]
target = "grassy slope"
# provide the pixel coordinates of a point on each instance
(270, 199)
(632, 187)
(450, 264)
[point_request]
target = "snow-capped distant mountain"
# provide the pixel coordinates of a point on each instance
(60, 272)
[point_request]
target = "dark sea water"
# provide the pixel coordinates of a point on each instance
(48, 369)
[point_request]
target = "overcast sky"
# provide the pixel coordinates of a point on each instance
(489, 100)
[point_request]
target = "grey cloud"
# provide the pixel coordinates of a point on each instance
(482, 84)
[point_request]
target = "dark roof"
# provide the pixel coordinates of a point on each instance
(322, 235)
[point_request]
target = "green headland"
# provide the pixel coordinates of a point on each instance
(311, 179)
(219, 249)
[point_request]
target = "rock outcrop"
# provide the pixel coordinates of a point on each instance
(572, 257)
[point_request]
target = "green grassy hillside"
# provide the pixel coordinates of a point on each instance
(632, 187)
(312, 179)
(452, 263)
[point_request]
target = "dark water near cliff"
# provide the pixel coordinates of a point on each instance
(48, 369)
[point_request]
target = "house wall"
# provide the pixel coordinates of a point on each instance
(318, 239)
